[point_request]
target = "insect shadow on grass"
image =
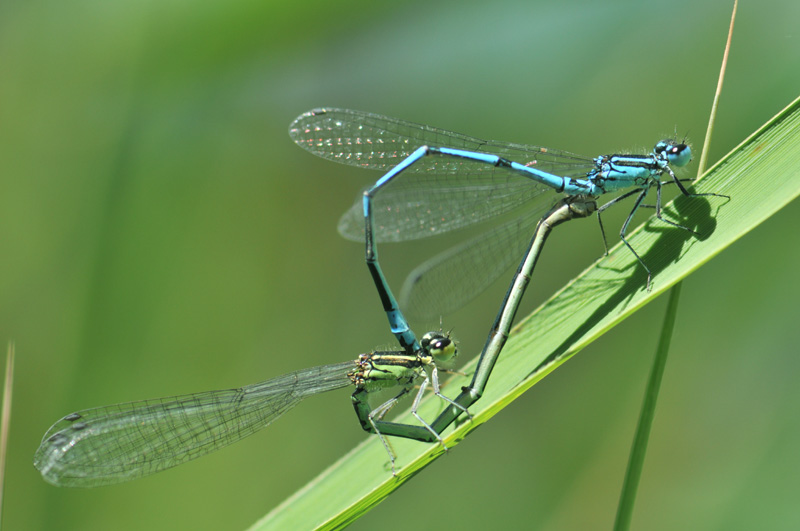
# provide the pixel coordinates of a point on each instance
(672, 244)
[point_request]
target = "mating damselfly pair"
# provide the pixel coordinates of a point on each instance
(435, 181)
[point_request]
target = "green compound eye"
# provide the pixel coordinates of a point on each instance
(441, 347)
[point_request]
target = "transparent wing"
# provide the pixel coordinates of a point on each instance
(402, 212)
(378, 142)
(453, 278)
(112, 444)
(437, 193)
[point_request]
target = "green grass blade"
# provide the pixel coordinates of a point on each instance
(761, 175)
(5, 421)
(633, 474)
(630, 484)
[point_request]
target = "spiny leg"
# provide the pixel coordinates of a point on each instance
(685, 192)
(376, 415)
(658, 211)
(415, 406)
(605, 206)
(436, 391)
(624, 229)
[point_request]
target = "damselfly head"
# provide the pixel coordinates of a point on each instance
(676, 154)
(438, 345)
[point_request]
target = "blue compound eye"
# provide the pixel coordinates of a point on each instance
(675, 153)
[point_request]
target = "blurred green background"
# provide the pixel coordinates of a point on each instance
(160, 234)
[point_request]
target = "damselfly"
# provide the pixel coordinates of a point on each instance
(452, 180)
(112, 444)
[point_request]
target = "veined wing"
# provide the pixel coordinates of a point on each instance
(437, 193)
(376, 142)
(454, 277)
(112, 444)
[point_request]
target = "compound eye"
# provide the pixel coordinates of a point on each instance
(441, 347)
(676, 154)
